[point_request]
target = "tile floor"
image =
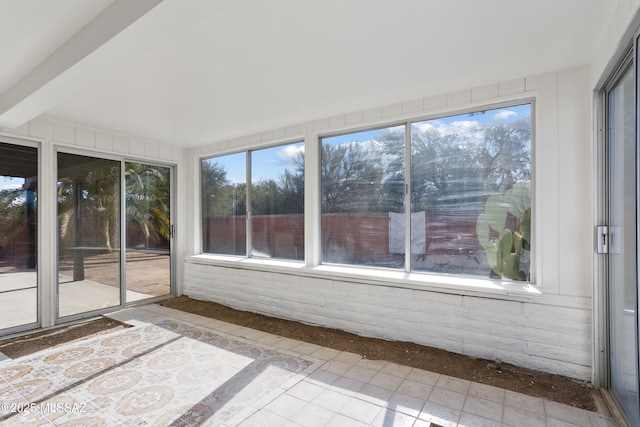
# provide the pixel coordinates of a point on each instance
(178, 369)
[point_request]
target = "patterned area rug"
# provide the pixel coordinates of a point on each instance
(170, 374)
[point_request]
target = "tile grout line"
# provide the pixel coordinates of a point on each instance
(239, 332)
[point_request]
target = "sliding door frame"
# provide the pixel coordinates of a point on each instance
(122, 159)
(625, 59)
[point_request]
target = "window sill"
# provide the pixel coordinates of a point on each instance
(459, 285)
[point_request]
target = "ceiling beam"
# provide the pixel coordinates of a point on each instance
(53, 79)
(122, 32)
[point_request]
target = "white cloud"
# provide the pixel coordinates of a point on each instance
(505, 114)
(465, 130)
(424, 126)
(288, 154)
(461, 126)
(457, 127)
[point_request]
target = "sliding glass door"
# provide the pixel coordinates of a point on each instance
(622, 212)
(102, 203)
(18, 236)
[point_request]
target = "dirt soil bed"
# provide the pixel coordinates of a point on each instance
(27, 344)
(495, 373)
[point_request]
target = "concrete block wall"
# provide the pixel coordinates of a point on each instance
(551, 331)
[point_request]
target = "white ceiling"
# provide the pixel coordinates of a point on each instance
(200, 71)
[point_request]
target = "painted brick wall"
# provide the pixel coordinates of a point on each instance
(552, 338)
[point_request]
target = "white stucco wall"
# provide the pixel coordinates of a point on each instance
(548, 328)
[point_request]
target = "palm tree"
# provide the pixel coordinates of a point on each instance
(17, 216)
(91, 203)
(148, 200)
(97, 196)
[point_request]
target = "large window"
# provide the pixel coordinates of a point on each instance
(468, 193)
(275, 227)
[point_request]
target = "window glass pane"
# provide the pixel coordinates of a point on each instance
(470, 193)
(148, 230)
(623, 253)
(223, 182)
(88, 234)
(18, 235)
(363, 198)
(277, 202)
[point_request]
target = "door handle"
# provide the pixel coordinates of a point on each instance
(603, 239)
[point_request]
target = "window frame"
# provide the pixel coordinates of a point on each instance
(311, 133)
(248, 152)
(407, 123)
(378, 127)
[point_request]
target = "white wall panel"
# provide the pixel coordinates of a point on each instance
(547, 181)
(575, 161)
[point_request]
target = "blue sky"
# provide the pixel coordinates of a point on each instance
(445, 124)
(270, 163)
(507, 114)
(7, 182)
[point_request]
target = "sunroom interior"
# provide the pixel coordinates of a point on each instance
(457, 174)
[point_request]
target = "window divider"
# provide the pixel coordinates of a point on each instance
(407, 197)
(249, 209)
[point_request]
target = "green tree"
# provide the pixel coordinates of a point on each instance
(505, 157)
(291, 188)
(352, 178)
(467, 168)
(12, 211)
(220, 197)
(148, 200)
(213, 178)
(266, 198)
(278, 197)
(97, 195)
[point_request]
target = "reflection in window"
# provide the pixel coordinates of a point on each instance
(277, 202)
(470, 193)
(18, 235)
(148, 230)
(362, 194)
(88, 233)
